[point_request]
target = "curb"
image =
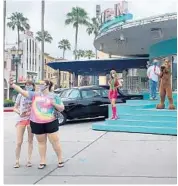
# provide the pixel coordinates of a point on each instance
(8, 110)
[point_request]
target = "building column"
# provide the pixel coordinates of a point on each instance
(76, 80)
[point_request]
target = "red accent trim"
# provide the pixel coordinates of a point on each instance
(9, 109)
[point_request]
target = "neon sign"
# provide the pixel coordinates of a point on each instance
(119, 14)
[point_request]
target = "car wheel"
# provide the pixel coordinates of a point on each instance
(62, 118)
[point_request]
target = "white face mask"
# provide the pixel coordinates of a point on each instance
(29, 87)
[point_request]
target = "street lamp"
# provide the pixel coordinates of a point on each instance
(16, 59)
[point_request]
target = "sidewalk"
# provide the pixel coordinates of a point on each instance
(95, 157)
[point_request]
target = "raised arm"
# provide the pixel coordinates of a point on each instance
(118, 84)
(18, 88)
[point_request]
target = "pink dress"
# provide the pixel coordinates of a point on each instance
(113, 94)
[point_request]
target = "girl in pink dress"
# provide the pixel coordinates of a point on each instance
(113, 92)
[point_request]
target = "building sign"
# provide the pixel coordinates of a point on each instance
(28, 33)
(121, 8)
(109, 14)
(98, 10)
(118, 15)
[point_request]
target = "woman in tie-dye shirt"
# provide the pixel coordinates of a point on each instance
(42, 118)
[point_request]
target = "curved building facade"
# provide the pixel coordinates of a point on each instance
(153, 37)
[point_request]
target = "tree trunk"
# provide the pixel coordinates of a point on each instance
(76, 36)
(96, 53)
(42, 42)
(63, 53)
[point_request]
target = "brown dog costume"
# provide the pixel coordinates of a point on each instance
(165, 86)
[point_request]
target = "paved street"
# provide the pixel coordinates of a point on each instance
(95, 157)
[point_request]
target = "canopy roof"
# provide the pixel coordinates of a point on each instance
(98, 66)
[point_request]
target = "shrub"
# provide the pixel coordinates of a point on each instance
(8, 103)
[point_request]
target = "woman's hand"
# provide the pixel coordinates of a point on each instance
(57, 106)
(17, 88)
(11, 81)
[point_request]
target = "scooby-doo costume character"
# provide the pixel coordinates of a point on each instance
(165, 86)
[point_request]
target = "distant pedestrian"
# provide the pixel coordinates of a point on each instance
(114, 84)
(23, 108)
(43, 122)
(153, 73)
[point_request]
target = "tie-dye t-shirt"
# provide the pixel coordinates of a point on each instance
(42, 110)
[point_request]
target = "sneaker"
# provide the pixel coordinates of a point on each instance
(115, 118)
(112, 117)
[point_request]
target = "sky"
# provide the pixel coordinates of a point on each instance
(55, 15)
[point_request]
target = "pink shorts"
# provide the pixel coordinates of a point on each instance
(113, 94)
(24, 123)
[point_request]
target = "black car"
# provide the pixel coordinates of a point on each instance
(85, 102)
(123, 95)
(59, 90)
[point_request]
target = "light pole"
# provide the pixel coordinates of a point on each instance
(16, 59)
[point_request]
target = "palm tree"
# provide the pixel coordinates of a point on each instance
(79, 53)
(65, 45)
(19, 22)
(89, 54)
(93, 28)
(78, 16)
(47, 37)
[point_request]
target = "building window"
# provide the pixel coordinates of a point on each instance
(30, 46)
(27, 46)
(48, 75)
(64, 76)
(27, 61)
(5, 64)
(30, 62)
(33, 46)
(51, 75)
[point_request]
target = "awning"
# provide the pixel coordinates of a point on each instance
(99, 66)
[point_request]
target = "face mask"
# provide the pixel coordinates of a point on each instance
(42, 87)
(29, 88)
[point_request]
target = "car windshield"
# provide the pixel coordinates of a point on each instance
(65, 94)
(71, 94)
(91, 93)
(104, 92)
